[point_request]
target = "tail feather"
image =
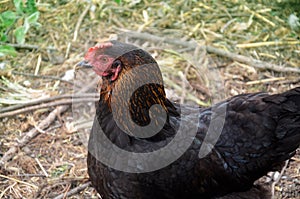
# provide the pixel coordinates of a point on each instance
(287, 112)
(286, 148)
(286, 99)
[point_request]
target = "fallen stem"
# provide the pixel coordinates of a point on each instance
(47, 105)
(41, 76)
(18, 181)
(26, 46)
(33, 133)
(193, 44)
(73, 191)
(45, 100)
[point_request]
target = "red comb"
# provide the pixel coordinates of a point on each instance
(100, 45)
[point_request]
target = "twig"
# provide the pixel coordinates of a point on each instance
(260, 17)
(41, 76)
(6, 189)
(273, 79)
(88, 97)
(41, 166)
(42, 125)
(44, 100)
(192, 44)
(38, 65)
(31, 175)
(80, 19)
(278, 178)
(295, 159)
(267, 43)
(19, 181)
(184, 83)
(47, 105)
(26, 46)
(66, 191)
(147, 36)
(73, 191)
(78, 24)
(33, 133)
(188, 95)
(251, 62)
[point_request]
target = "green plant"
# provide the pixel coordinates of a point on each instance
(26, 14)
(118, 1)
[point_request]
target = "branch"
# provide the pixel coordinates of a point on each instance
(278, 178)
(47, 105)
(18, 181)
(192, 44)
(73, 191)
(251, 62)
(43, 125)
(38, 104)
(33, 133)
(45, 100)
(41, 76)
(26, 46)
(80, 19)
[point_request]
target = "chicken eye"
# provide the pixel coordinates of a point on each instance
(104, 59)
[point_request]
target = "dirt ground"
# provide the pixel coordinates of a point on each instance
(43, 150)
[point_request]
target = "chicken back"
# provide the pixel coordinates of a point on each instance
(259, 132)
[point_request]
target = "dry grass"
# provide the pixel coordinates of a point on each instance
(53, 162)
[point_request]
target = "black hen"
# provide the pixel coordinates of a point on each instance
(248, 135)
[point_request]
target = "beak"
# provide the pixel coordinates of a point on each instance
(83, 64)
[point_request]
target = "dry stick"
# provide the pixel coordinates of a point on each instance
(87, 97)
(251, 62)
(73, 191)
(267, 43)
(42, 125)
(33, 133)
(42, 168)
(26, 46)
(78, 24)
(291, 81)
(240, 58)
(30, 175)
(47, 105)
(44, 100)
(80, 19)
(18, 181)
(66, 191)
(41, 76)
(260, 17)
(269, 80)
(278, 178)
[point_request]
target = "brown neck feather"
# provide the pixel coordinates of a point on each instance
(136, 89)
(134, 96)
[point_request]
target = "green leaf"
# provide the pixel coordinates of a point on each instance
(118, 1)
(30, 7)
(3, 38)
(19, 6)
(8, 18)
(20, 33)
(7, 50)
(33, 18)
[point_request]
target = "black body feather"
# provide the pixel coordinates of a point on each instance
(260, 132)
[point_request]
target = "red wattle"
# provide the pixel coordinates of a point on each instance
(116, 73)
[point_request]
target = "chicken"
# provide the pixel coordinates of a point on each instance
(143, 146)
